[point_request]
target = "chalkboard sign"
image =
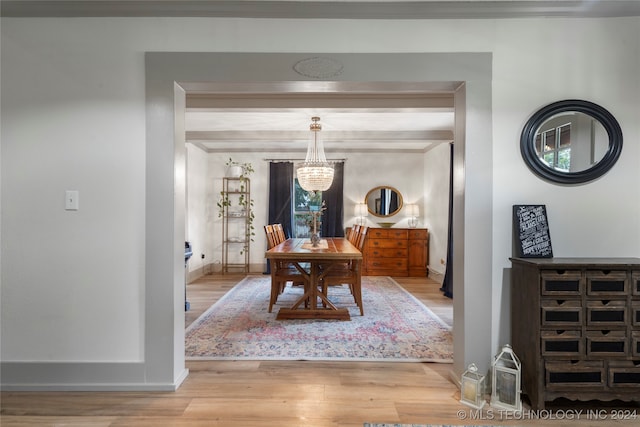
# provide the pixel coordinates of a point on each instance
(531, 231)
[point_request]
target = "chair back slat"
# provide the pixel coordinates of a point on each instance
(279, 233)
(361, 237)
(353, 234)
(271, 237)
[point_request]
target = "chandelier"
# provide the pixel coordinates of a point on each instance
(315, 173)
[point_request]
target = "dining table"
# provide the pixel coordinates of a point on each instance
(314, 262)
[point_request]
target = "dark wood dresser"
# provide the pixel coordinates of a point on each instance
(575, 325)
(397, 252)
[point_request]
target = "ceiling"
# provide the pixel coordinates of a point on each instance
(371, 123)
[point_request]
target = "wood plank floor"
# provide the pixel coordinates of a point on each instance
(282, 394)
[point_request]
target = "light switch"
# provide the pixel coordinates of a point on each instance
(71, 201)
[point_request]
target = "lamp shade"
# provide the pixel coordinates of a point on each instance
(413, 211)
(315, 173)
(361, 210)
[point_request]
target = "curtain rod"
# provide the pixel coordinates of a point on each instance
(301, 160)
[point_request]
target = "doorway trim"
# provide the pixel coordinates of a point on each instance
(170, 75)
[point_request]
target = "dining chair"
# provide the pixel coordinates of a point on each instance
(281, 272)
(271, 237)
(348, 273)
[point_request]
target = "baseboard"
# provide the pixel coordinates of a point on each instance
(81, 376)
(210, 269)
(435, 275)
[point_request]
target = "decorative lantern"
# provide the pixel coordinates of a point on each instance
(472, 388)
(505, 380)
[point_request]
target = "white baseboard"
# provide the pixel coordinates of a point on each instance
(435, 274)
(209, 269)
(81, 376)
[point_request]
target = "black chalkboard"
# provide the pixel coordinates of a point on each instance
(531, 231)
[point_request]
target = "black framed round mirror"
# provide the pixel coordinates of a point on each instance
(571, 142)
(383, 201)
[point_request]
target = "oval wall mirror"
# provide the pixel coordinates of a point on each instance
(571, 142)
(383, 201)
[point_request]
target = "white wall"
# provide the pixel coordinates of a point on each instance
(73, 117)
(435, 209)
(200, 210)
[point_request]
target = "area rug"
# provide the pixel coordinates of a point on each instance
(395, 327)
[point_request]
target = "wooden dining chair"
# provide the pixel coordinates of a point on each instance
(348, 273)
(281, 272)
(271, 237)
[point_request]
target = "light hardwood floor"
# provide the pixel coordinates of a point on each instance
(283, 394)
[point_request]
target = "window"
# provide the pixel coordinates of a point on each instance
(304, 203)
(554, 147)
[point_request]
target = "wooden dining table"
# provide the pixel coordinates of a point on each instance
(314, 263)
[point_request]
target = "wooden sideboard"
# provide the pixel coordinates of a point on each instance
(575, 325)
(397, 252)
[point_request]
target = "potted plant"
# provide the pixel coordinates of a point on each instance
(237, 169)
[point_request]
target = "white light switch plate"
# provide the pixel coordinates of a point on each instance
(71, 201)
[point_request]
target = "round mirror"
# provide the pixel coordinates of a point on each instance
(383, 201)
(571, 142)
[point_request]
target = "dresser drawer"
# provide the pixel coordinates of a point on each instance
(624, 374)
(561, 342)
(572, 375)
(557, 312)
(387, 264)
(387, 233)
(387, 243)
(389, 252)
(635, 280)
(635, 343)
(418, 234)
(607, 283)
(607, 343)
(562, 282)
(635, 314)
(607, 313)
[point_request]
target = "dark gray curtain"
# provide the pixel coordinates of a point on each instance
(447, 283)
(332, 225)
(280, 192)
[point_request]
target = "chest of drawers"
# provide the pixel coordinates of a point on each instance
(397, 252)
(575, 325)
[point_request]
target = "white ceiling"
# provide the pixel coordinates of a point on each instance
(349, 130)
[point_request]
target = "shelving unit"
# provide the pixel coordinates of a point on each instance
(236, 224)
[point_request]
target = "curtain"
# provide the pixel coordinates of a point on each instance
(332, 225)
(280, 191)
(447, 283)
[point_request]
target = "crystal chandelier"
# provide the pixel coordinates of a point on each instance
(315, 173)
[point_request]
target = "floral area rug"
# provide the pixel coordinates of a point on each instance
(395, 327)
